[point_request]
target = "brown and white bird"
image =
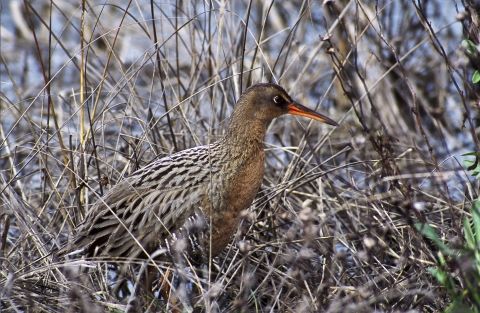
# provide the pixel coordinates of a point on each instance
(196, 195)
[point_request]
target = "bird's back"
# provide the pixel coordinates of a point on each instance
(152, 205)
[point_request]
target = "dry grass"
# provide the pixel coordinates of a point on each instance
(84, 104)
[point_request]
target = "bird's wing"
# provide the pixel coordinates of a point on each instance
(148, 206)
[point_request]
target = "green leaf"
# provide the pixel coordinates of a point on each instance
(475, 153)
(472, 288)
(438, 274)
(469, 237)
(429, 232)
(458, 307)
(441, 259)
(476, 77)
(470, 46)
(473, 166)
(476, 220)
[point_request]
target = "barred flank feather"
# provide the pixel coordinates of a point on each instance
(164, 197)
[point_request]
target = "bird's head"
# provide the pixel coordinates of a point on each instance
(267, 101)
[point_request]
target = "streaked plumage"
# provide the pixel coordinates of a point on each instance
(195, 193)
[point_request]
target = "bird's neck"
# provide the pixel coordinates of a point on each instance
(245, 138)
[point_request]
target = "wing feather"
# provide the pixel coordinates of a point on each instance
(149, 205)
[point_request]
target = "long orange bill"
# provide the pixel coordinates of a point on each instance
(296, 108)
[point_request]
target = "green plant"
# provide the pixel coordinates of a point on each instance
(458, 268)
(472, 50)
(473, 166)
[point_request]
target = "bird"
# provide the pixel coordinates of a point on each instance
(190, 202)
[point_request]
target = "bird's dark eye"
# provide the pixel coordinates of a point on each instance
(277, 99)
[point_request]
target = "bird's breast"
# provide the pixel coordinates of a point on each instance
(239, 191)
(245, 184)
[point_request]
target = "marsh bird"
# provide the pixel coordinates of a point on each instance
(190, 202)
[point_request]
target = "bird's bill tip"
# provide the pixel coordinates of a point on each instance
(298, 109)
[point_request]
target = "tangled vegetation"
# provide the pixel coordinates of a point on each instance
(379, 214)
